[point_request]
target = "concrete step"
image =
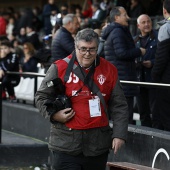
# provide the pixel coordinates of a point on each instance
(20, 150)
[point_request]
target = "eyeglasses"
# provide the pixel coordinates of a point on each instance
(85, 50)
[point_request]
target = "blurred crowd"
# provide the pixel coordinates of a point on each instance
(31, 25)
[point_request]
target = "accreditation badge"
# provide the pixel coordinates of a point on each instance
(94, 107)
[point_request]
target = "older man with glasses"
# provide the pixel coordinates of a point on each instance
(78, 95)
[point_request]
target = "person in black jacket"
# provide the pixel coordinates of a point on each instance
(120, 50)
(161, 71)
(33, 37)
(63, 41)
(49, 10)
(8, 62)
(28, 61)
(148, 39)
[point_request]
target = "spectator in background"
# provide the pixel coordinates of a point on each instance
(97, 18)
(8, 62)
(26, 18)
(22, 36)
(135, 9)
(120, 50)
(106, 5)
(17, 48)
(3, 25)
(63, 12)
(49, 10)
(10, 27)
(63, 41)
(147, 39)
(28, 61)
(87, 9)
(78, 13)
(43, 55)
(37, 19)
(33, 37)
(161, 71)
(3, 38)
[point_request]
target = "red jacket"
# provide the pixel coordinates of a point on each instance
(3, 25)
(105, 77)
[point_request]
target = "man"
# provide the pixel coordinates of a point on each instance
(97, 18)
(33, 37)
(49, 10)
(135, 8)
(80, 134)
(161, 71)
(8, 62)
(146, 39)
(3, 25)
(63, 41)
(120, 50)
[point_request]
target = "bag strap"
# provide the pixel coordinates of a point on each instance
(90, 83)
(70, 66)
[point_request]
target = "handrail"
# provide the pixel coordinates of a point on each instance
(146, 84)
(143, 84)
(35, 75)
(26, 73)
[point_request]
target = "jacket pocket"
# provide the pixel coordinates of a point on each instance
(100, 140)
(62, 138)
(65, 139)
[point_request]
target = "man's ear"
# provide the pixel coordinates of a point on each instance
(164, 11)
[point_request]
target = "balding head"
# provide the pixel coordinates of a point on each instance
(70, 22)
(144, 24)
(142, 16)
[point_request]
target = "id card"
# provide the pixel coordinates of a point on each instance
(94, 107)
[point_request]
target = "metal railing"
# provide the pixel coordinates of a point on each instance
(132, 83)
(29, 74)
(145, 84)
(36, 75)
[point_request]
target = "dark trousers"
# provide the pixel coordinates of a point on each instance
(146, 105)
(9, 82)
(63, 161)
(161, 115)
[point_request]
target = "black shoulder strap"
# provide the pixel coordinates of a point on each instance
(94, 88)
(70, 66)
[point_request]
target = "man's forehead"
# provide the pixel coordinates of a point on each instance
(144, 18)
(87, 43)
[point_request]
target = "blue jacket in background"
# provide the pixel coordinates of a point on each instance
(120, 50)
(143, 73)
(46, 16)
(62, 44)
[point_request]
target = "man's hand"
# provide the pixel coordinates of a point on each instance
(62, 117)
(147, 64)
(116, 144)
(143, 51)
(1, 73)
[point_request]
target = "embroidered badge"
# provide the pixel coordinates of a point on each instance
(101, 79)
